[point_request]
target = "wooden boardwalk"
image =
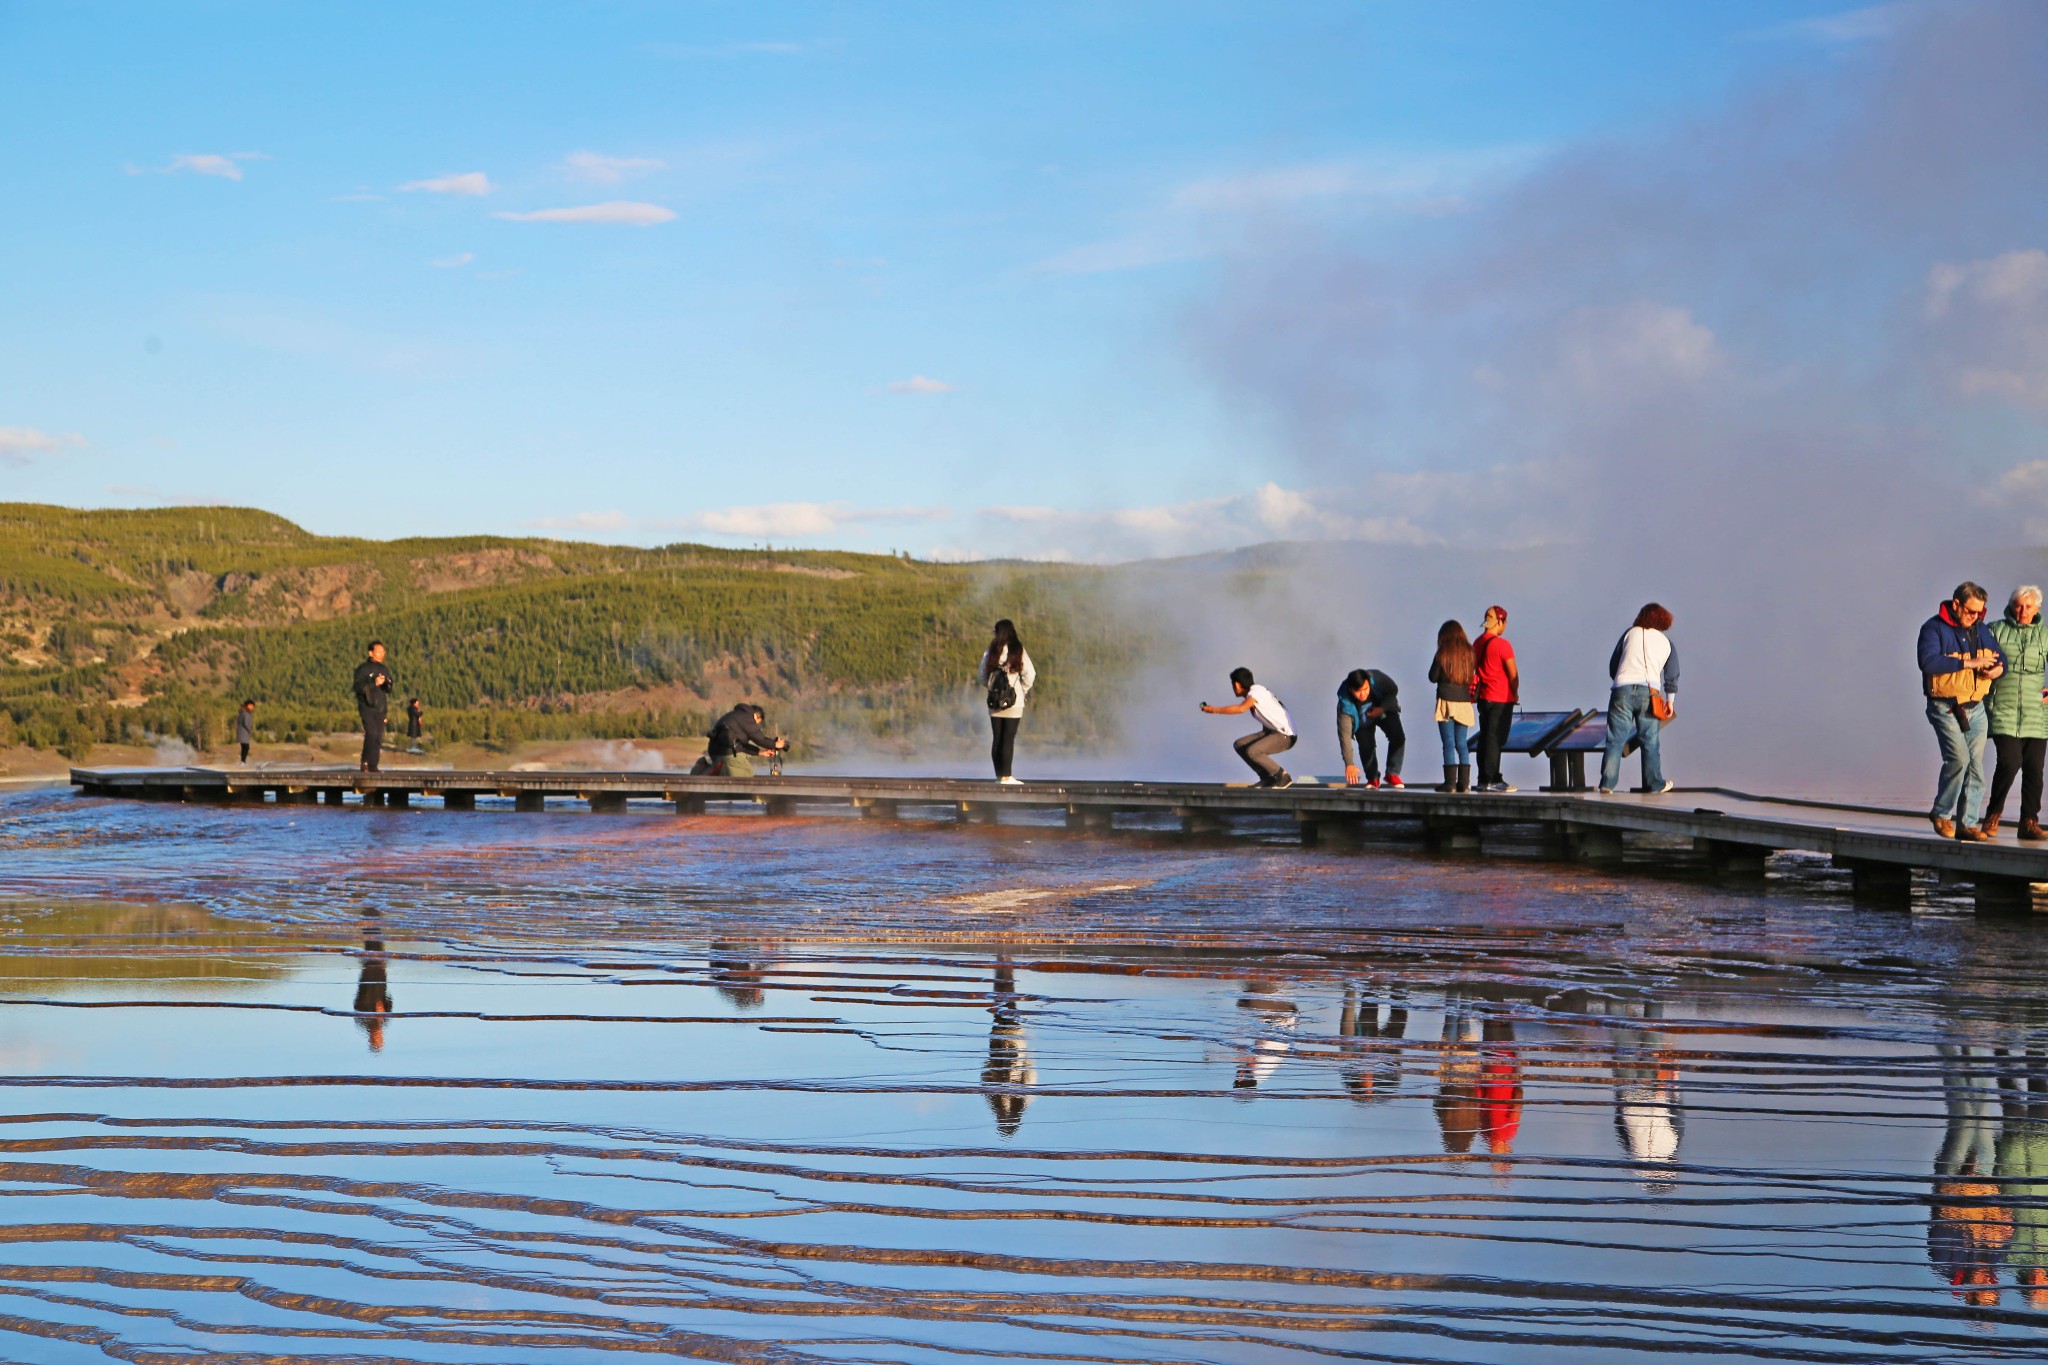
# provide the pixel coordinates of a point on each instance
(1733, 831)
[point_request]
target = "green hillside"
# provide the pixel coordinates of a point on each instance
(127, 625)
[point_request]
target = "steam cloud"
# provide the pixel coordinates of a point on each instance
(1780, 368)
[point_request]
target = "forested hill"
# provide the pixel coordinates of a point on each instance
(124, 625)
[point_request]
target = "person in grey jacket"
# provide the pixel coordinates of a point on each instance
(245, 728)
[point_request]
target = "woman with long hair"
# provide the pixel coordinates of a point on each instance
(1456, 717)
(1644, 669)
(1007, 674)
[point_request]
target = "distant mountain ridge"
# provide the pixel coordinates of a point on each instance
(123, 624)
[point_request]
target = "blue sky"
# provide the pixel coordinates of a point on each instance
(880, 275)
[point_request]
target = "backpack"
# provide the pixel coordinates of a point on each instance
(1002, 693)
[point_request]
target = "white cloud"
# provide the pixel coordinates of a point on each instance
(918, 383)
(472, 184)
(458, 260)
(225, 166)
(1990, 323)
(625, 212)
(785, 521)
(1624, 349)
(1269, 512)
(19, 445)
(599, 169)
(1845, 28)
(1206, 216)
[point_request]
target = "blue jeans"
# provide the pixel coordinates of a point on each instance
(1959, 790)
(1628, 717)
(1457, 742)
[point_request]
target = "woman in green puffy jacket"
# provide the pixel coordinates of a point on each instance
(2019, 712)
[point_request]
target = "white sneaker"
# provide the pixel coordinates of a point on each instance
(1665, 788)
(1009, 782)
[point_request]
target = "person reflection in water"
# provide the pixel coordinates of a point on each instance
(1374, 1072)
(2022, 1165)
(1969, 1228)
(1278, 1016)
(736, 978)
(1649, 1116)
(1479, 1088)
(373, 988)
(1009, 1066)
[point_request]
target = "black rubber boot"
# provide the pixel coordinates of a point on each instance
(1464, 777)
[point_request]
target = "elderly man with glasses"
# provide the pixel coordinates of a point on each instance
(1959, 660)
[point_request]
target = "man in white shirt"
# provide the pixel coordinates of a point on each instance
(1276, 732)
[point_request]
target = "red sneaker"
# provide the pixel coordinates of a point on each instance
(1371, 782)
(1394, 780)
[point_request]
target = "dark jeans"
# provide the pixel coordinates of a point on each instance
(1495, 719)
(1257, 750)
(245, 753)
(2019, 758)
(373, 739)
(1004, 749)
(1397, 744)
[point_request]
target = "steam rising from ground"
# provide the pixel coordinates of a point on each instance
(1783, 368)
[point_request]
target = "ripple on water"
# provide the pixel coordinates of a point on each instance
(291, 1082)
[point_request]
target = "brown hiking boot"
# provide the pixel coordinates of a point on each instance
(1990, 826)
(1944, 826)
(1970, 834)
(2030, 830)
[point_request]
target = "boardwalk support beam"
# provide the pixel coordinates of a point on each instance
(1589, 844)
(1889, 884)
(1728, 859)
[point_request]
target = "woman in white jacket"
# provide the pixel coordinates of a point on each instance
(1007, 673)
(1644, 664)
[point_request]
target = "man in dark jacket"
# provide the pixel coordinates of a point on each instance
(1958, 660)
(373, 699)
(1369, 700)
(734, 741)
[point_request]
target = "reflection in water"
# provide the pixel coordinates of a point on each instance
(1649, 1116)
(373, 991)
(1277, 1017)
(1991, 1175)
(595, 1146)
(1375, 1072)
(1009, 1065)
(736, 977)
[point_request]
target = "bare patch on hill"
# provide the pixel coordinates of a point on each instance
(476, 568)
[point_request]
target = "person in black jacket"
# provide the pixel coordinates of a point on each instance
(373, 700)
(735, 739)
(415, 724)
